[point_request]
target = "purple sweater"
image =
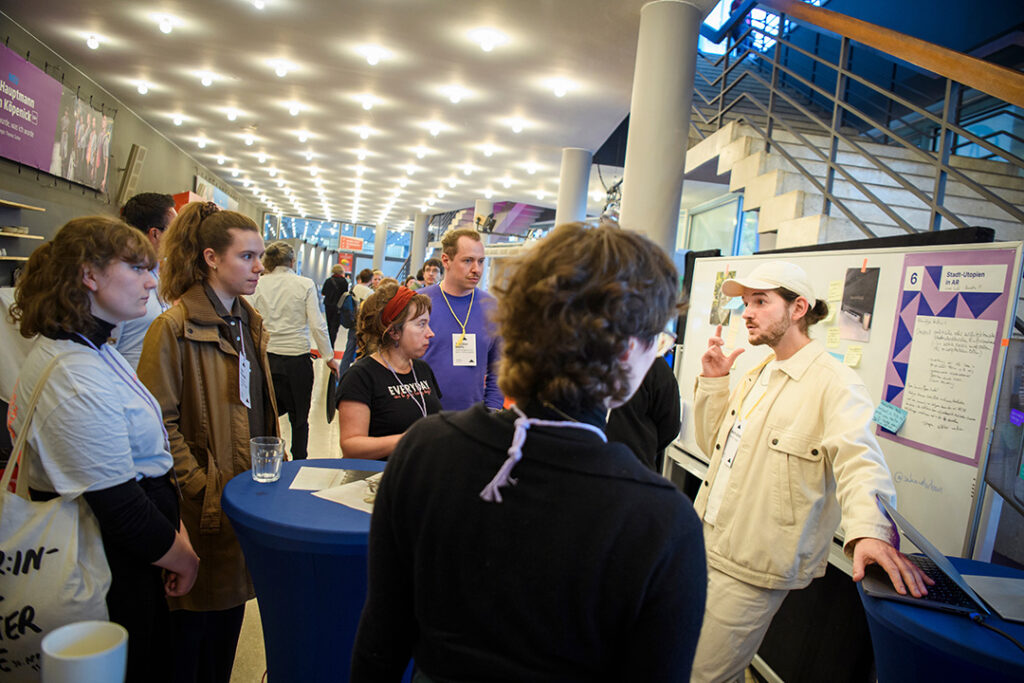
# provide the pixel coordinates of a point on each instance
(463, 386)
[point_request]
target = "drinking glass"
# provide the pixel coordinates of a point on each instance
(267, 455)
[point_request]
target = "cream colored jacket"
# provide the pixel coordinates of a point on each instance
(808, 452)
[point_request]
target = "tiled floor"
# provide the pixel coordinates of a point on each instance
(250, 658)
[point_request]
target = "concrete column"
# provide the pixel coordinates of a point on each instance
(573, 184)
(380, 246)
(418, 250)
(659, 117)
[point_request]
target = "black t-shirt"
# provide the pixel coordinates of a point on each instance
(393, 404)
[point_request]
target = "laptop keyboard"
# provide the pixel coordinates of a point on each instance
(944, 591)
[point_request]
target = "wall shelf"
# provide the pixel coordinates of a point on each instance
(21, 236)
(16, 205)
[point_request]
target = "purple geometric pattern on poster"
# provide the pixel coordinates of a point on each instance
(963, 305)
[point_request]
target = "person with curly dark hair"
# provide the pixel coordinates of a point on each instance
(389, 387)
(521, 545)
(98, 432)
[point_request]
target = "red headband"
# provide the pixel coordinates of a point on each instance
(396, 305)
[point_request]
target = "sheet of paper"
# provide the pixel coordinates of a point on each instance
(835, 290)
(889, 416)
(832, 338)
(831, 317)
(853, 356)
(358, 495)
(946, 381)
(316, 478)
(1004, 595)
(732, 335)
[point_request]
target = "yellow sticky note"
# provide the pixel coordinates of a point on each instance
(835, 290)
(832, 340)
(853, 355)
(832, 308)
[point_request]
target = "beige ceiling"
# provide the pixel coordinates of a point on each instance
(591, 43)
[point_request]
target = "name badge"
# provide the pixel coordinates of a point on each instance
(244, 368)
(732, 443)
(464, 350)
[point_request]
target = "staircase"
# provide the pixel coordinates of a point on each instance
(819, 166)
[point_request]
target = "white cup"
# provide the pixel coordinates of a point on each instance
(85, 651)
(267, 453)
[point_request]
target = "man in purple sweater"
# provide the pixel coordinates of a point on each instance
(464, 351)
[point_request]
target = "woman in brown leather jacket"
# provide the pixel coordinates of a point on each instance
(205, 361)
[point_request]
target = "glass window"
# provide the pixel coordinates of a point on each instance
(713, 228)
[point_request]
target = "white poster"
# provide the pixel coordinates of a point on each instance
(946, 382)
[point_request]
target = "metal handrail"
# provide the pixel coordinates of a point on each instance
(944, 126)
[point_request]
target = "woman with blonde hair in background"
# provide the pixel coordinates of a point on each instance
(389, 387)
(290, 308)
(205, 360)
(97, 431)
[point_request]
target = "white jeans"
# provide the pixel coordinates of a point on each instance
(736, 617)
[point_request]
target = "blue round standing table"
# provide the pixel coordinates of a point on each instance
(307, 558)
(916, 644)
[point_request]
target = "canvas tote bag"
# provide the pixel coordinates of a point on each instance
(53, 570)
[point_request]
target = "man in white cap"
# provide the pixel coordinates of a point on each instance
(791, 451)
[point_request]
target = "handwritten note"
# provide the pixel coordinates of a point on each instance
(833, 307)
(832, 338)
(889, 416)
(945, 389)
(853, 356)
(835, 290)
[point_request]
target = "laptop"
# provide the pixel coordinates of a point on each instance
(951, 593)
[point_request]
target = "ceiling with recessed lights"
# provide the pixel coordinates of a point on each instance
(367, 111)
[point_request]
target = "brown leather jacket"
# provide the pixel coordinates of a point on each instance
(190, 366)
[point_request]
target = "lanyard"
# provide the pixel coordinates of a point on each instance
(490, 492)
(134, 384)
(416, 381)
(468, 311)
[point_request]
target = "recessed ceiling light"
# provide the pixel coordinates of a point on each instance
(309, 155)
(410, 169)
(234, 173)
(259, 4)
(361, 154)
(303, 135)
(452, 182)
(249, 139)
(206, 78)
(506, 182)
(488, 149)
(531, 168)
(231, 113)
(166, 22)
(488, 194)
(93, 41)
(281, 67)
(373, 53)
(220, 159)
(142, 87)
(467, 169)
(261, 157)
(421, 152)
(441, 194)
(560, 86)
(367, 101)
(431, 201)
(364, 132)
(516, 125)
(488, 38)
(360, 170)
(294, 107)
(435, 127)
(201, 142)
(597, 196)
(454, 93)
(403, 182)
(272, 171)
(177, 119)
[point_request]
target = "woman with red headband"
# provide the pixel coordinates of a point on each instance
(388, 388)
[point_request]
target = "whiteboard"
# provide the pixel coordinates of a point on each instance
(935, 490)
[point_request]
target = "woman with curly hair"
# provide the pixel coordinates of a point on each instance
(97, 431)
(205, 360)
(521, 545)
(389, 387)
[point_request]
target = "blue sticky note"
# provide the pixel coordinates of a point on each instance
(889, 416)
(735, 303)
(1016, 417)
(838, 356)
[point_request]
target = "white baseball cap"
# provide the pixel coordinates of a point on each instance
(773, 275)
